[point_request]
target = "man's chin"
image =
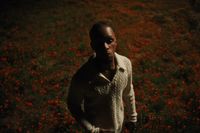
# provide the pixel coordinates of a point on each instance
(108, 57)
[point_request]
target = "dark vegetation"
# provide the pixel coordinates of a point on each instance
(42, 44)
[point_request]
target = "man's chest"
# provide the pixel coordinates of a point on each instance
(101, 85)
(108, 74)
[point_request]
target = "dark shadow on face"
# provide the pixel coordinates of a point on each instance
(104, 43)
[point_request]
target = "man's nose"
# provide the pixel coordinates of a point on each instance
(106, 46)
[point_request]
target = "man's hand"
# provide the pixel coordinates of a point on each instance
(131, 126)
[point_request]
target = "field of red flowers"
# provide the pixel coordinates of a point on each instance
(43, 43)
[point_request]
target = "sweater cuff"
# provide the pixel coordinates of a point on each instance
(89, 127)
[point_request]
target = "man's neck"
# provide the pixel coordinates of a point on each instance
(106, 65)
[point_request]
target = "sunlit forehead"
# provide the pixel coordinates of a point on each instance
(108, 33)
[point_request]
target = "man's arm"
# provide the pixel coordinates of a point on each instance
(74, 101)
(129, 100)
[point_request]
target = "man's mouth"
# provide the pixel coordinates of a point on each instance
(108, 52)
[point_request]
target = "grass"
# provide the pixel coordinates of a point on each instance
(137, 8)
(43, 43)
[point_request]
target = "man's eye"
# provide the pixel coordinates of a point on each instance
(109, 41)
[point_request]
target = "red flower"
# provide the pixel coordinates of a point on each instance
(52, 54)
(29, 104)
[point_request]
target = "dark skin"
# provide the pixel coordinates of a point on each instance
(104, 46)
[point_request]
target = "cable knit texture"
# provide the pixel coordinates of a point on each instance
(98, 103)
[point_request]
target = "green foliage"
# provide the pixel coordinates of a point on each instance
(183, 74)
(137, 8)
(162, 80)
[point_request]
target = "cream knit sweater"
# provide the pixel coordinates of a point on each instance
(97, 102)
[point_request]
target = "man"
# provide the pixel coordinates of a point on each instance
(103, 86)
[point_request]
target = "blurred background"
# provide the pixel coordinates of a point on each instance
(44, 42)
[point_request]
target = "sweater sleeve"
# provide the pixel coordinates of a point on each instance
(74, 101)
(129, 98)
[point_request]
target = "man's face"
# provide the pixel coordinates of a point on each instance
(104, 44)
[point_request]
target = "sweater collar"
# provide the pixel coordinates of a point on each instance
(119, 66)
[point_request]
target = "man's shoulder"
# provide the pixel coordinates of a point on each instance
(124, 62)
(85, 70)
(124, 59)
